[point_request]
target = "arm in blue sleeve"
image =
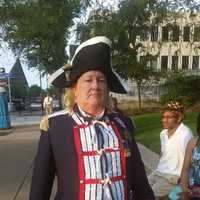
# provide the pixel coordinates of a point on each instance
(43, 170)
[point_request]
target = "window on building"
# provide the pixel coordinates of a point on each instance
(185, 62)
(196, 37)
(165, 33)
(144, 36)
(175, 33)
(195, 62)
(186, 34)
(164, 62)
(174, 63)
(154, 33)
(153, 62)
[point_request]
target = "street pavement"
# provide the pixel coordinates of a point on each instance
(17, 152)
(25, 118)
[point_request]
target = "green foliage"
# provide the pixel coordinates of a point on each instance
(101, 22)
(18, 91)
(53, 91)
(38, 30)
(183, 88)
(34, 91)
(122, 27)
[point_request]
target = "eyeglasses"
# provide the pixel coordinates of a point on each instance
(168, 116)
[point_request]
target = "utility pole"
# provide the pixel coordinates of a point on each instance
(47, 81)
(40, 80)
(9, 91)
(40, 74)
(40, 77)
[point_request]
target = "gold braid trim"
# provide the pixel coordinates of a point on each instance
(44, 124)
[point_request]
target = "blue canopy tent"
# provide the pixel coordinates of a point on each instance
(4, 114)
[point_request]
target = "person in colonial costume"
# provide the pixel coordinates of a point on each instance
(90, 152)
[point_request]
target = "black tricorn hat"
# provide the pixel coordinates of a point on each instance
(93, 54)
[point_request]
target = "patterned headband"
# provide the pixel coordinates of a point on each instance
(174, 106)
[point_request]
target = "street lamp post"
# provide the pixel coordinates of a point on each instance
(9, 91)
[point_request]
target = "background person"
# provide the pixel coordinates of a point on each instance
(174, 138)
(118, 115)
(114, 105)
(48, 104)
(84, 146)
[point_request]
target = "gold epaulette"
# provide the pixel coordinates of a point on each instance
(44, 124)
(127, 152)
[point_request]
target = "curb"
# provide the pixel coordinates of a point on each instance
(25, 125)
(4, 132)
(17, 127)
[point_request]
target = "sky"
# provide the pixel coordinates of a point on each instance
(7, 60)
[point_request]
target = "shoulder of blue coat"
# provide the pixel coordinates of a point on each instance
(44, 123)
(117, 117)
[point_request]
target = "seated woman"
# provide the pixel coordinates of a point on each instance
(190, 175)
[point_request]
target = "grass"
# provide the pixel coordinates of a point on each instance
(149, 126)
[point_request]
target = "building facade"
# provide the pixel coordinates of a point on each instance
(174, 44)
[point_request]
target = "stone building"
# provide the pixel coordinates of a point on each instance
(174, 44)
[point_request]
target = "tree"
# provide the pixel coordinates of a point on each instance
(143, 73)
(122, 27)
(34, 91)
(19, 91)
(38, 30)
(182, 88)
(53, 91)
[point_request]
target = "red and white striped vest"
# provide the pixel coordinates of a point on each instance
(101, 160)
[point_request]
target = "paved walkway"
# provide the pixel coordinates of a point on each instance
(149, 158)
(21, 124)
